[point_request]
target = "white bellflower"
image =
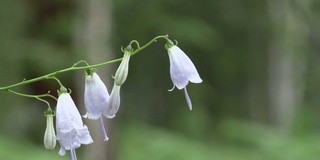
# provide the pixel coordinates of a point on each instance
(95, 99)
(71, 132)
(95, 96)
(182, 70)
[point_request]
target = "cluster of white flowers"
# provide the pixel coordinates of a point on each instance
(71, 132)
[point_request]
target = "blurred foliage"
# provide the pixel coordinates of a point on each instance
(242, 140)
(17, 149)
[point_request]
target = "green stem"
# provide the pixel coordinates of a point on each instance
(33, 96)
(38, 97)
(136, 42)
(56, 79)
(82, 61)
(149, 43)
(74, 67)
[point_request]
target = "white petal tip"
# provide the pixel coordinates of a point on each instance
(200, 81)
(171, 88)
(92, 116)
(62, 152)
(196, 79)
(109, 117)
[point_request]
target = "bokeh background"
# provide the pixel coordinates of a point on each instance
(259, 61)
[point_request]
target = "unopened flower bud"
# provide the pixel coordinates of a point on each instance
(49, 135)
(122, 71)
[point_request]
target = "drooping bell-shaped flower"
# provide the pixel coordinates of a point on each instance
(71, 132)
(182, 70)
(119, 79)
(49, 134)
(95, 98)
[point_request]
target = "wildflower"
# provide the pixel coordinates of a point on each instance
(71, 132)
(182, 70)
(119, 79)
(49, 135)
(95, 98)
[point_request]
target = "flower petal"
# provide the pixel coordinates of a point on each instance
(71, 132)
(83, 135)
(95, 96)
(182, 70)
(67, 114)
(113, 102)
(62, 151)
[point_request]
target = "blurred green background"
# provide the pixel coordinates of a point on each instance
(259, 61)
